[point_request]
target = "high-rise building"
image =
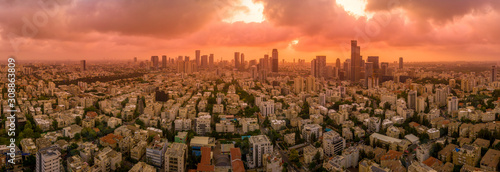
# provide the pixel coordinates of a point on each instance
(236, 60)
(384, 66)
(493, 73)
(412, 99)
(347, 69)
(155, 61)
(275, 60)
(298, 85)
(337, 63)
(310, 84)
(164, 61)
(356, 61)
(452, 104)
(369, 74)
(84, 65)
(197, 54)
(266, 63)
(242, 62)
(318, 66)
(48, 160)
(333, 143)
(376, 67)
(211, 60)
(401, 63)
(259, 145)
(204, 61)
(135, 59)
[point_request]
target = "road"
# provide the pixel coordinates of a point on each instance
(284, 156)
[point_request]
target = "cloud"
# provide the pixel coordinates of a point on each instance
(442, 11)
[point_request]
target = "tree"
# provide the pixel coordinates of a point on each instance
(140, 123)
(317, 157)
(78, 120)
(55, 125)
(294, 156)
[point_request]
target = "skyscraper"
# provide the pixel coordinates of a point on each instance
(318, 66)
(135, 59)
(204, 61)
(242, 62)
(383, 67)
(164, 61)
(401, 63)
(368, 73)
(275, 60)
(197, 53)
(236, 60)
(337, 63)
(84, 65)
(374, 60)
(155, 61)
(412, 99)
(355, 61)
(211, 60)
(265, 63)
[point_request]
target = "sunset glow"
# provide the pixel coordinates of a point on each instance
(120, 29)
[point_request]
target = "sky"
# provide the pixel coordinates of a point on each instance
(417, 30)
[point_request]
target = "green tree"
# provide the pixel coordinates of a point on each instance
(78, 120)
(55, 125)
(294, 156)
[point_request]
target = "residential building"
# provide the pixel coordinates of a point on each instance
(467, 154)
(175, 157)
(155, 151)
(311, 132)
(273, 162)
(333, 143)
(259, 145)
(203, 125)
(142, 167)
(310, 151)
(290, 139)
(423, 152)
(490, 160)
(48, 160)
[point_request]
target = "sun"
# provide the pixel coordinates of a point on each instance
(254, 13)
(354, 7)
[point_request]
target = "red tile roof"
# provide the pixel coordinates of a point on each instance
(111, 138)
(91, 114)
(205, 163)
(236, 160)
(431, 161)
(391, 155)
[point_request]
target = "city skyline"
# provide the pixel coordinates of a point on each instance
(299, 30)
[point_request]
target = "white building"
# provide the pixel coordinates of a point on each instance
(333, 143)
(452, 104)
(310, 130)
(203, 125)
(48, 160)
(267, 107)
(175, 157)
(260, 145)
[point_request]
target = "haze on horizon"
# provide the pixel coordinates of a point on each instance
(423, 30)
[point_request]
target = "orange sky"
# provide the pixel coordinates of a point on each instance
(418, 30)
